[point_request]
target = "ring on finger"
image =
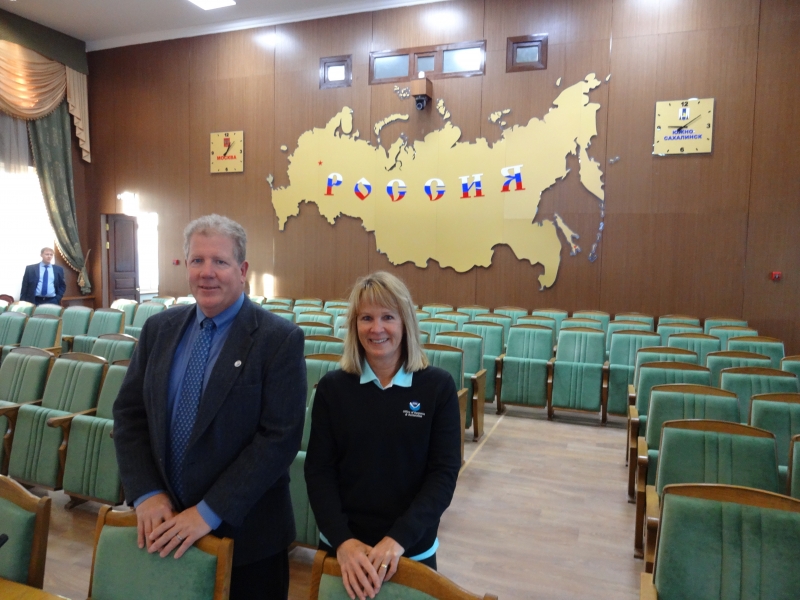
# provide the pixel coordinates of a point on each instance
(384, 566)
(178, 535)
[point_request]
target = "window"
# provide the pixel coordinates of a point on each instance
(25, 227)
(465, 59)
(335, 71)
(526, 53)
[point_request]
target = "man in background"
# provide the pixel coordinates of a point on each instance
(43, 283)
(210, 416)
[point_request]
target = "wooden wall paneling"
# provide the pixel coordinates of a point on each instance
(774, 213)
(312, 257)
(232, 89)
(428, 25)
(633, 18)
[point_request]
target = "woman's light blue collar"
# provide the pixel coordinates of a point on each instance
(401, 378)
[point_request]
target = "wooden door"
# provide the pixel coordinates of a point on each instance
(121, 264)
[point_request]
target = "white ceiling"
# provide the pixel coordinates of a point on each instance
(111, 23)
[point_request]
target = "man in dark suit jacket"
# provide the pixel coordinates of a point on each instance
(231, 474)
(33, 281)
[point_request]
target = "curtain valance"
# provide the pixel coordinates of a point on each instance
(32, 87)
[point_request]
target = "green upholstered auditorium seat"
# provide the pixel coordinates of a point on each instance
(712, 452)
(127, 306)
(53, 310)
(316, 366)
(336, 311)
(318, 316)
(471, 345)
(650, 375)
(603, 317)
(104, 320)
(184, 300)
(727, 332)
(90, 468)
(554, 313)
(114, 347)
(23, 307)
(434, 326)
(167, 301)
(25, 520)
(746, 382)
(699, 343)
(451, 359)
(794, 467)
(672, 319)
(43, 331)
(719, 542)
(323, 344)
(457, 317)
(780, 414)
(22, 379)
(422, 314)
(314, 328)
(309, 302)
(767, 346)
(257, 300)
(623, 347)
(716, 361)
(791, 364)
(503, 320)
(662, 354)
(299, 309)
(433, 308)
(573, 322)
(307, 532)
(669, 329)
(493, 346)
(473, 310)
(579, 373)
(120, 570)
(335, 304)
(412, 581)
(615, 326)
(721, 322)
(522, 370)
(281, 300)
(543, 321)
(675, 402)
(12, 325)
(269, 305)
(74, 321)
(36, 452)
(635, 316)
(283, 313)
(515, 312)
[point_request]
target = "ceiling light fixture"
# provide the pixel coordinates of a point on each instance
(212, 4)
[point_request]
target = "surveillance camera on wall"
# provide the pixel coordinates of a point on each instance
(422, 90)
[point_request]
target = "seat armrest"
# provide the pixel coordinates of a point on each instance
(633, 413)
(641, 447)
(604, 394)
(652, 509)
(550, 370)
(631, 394)
(61, 421)
(56, 350)
(462, 411)
(7, 411)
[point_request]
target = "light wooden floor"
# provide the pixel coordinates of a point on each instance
(540, 511)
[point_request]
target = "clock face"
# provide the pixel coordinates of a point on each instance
(227, 152)
(684, 126)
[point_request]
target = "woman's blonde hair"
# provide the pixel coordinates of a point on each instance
(388, 291)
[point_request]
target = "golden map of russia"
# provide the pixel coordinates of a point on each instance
(447, 200)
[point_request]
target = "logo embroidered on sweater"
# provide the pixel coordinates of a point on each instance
(414, 412)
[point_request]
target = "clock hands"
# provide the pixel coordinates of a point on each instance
(231, 146)
(684, 126)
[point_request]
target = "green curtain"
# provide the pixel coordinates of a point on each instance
(52, 154)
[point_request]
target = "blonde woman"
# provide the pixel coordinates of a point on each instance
(384, 451)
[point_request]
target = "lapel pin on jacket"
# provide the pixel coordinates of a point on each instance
(237, 364)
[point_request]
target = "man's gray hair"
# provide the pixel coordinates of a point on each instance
(215, 223)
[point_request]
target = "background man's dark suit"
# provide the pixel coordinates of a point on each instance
(248, 428)
(31, 279)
